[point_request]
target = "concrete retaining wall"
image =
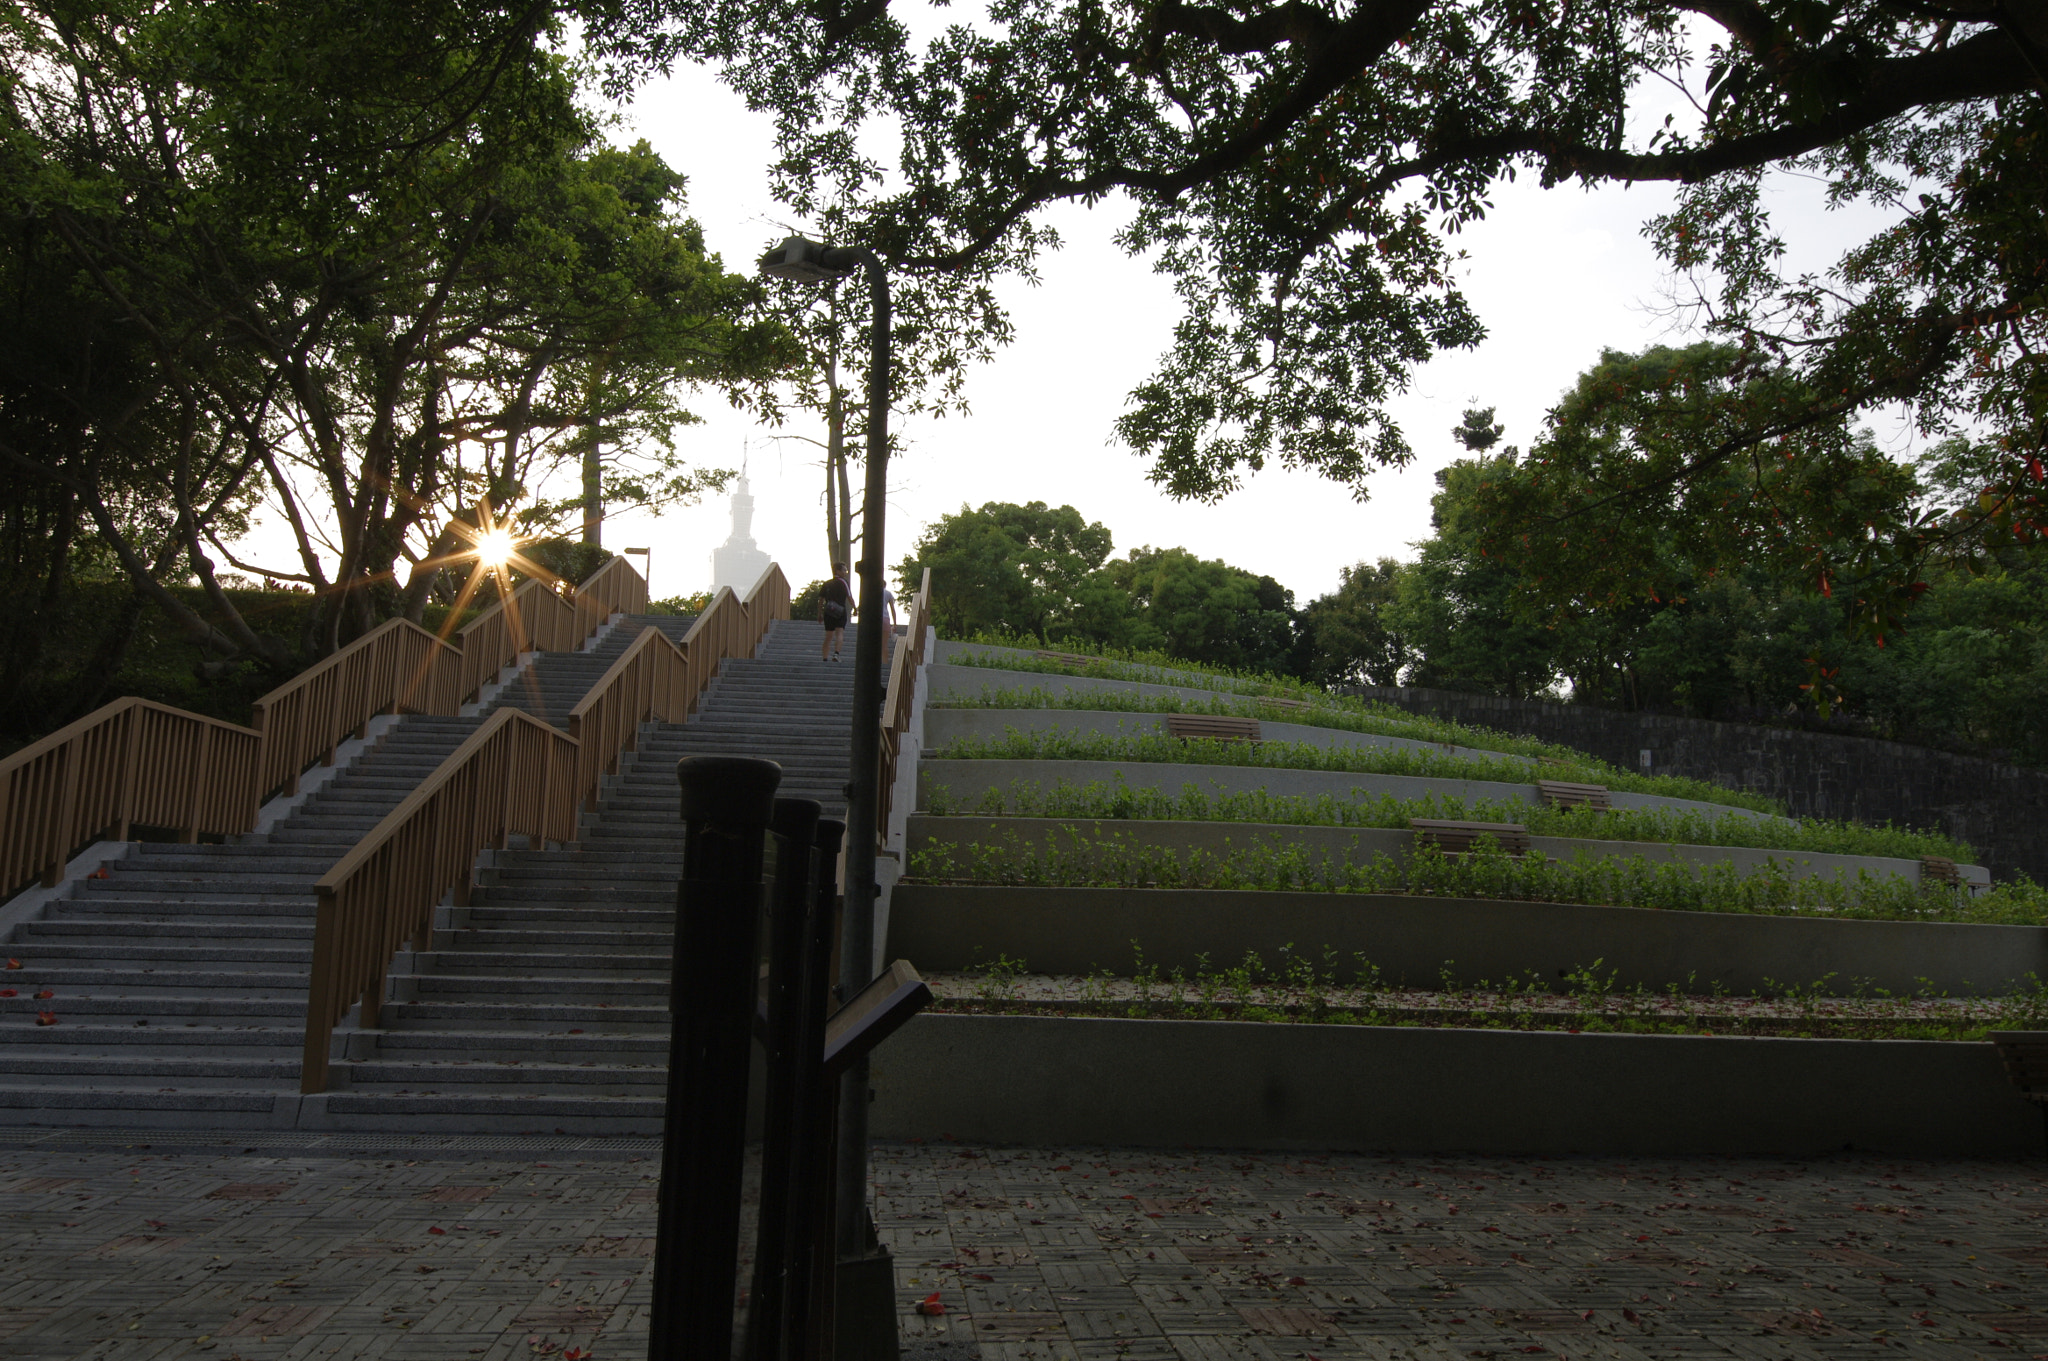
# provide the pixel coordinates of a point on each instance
(1080, 930)
(1359, 845)
(1059, 1081)
(966, 781)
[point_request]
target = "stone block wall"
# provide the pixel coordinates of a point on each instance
(2000, 809)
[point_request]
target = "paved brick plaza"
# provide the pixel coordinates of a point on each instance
(518, 1248)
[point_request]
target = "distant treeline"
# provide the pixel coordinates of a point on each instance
(1968, 669)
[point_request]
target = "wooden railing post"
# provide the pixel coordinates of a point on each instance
(67, 804)
(188, 824)
(131, 754)
(320, 993)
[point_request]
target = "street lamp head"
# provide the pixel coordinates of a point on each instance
(807, 262)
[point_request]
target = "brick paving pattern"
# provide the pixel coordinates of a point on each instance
(148, 1248)
(1078, 1255)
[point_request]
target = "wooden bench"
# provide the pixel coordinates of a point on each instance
(1458, 838)
(1285, 703)
(1220, 727)
(1939, 869)
(1073, 659)
(1565, 794)
(2025, 1055)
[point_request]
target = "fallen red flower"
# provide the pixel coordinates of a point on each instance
(14, 964)
(46, 1018)
(7, 992)
(46, 994)
(930, 1307)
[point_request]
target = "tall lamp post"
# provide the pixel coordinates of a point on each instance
(805, 261)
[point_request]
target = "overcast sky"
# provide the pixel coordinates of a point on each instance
(1554, 275)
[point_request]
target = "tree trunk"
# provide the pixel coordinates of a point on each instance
(593, 492)
(835, 476)
(593, 462)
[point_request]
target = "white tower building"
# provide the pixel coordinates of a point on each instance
(738, 562)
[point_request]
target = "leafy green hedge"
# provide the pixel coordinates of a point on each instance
(160, 663)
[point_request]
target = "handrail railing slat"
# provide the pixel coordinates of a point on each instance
(396, 667)
(131, 761)
(899, 699)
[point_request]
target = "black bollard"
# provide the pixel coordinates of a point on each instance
(727, 804)
(812, 1255)
(776, 1305)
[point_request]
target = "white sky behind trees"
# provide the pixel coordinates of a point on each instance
(1554, 275)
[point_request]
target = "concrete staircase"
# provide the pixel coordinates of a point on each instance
(179, 978)
(544, 1004)
(552, 684)
(177, 974)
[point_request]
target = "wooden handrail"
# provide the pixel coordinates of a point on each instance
(396, 667)
(532, 619)
(514, 775)
(900, 697)
(657, 678)
(130, 761)
(137, 761)
(652, 680)
(614, 588)
(768, 598)
(527, 779)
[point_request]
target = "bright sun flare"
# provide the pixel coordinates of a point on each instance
(494, 546)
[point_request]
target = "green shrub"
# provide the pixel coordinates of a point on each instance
(691, 605)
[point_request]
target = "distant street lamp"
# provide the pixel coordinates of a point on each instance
(804, 261)
(646, 565)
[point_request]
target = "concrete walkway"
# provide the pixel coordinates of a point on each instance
(360, 1246)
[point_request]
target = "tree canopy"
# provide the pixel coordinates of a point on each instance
(1045, 572)
(1301, 169)
(368, 264)
(1708, 604)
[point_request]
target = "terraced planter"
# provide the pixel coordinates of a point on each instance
(943, 724)
(1360, 844)
(1081, 930)
(965, 781)
(1051, 1081)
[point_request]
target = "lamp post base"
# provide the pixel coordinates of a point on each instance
(864, 1307)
